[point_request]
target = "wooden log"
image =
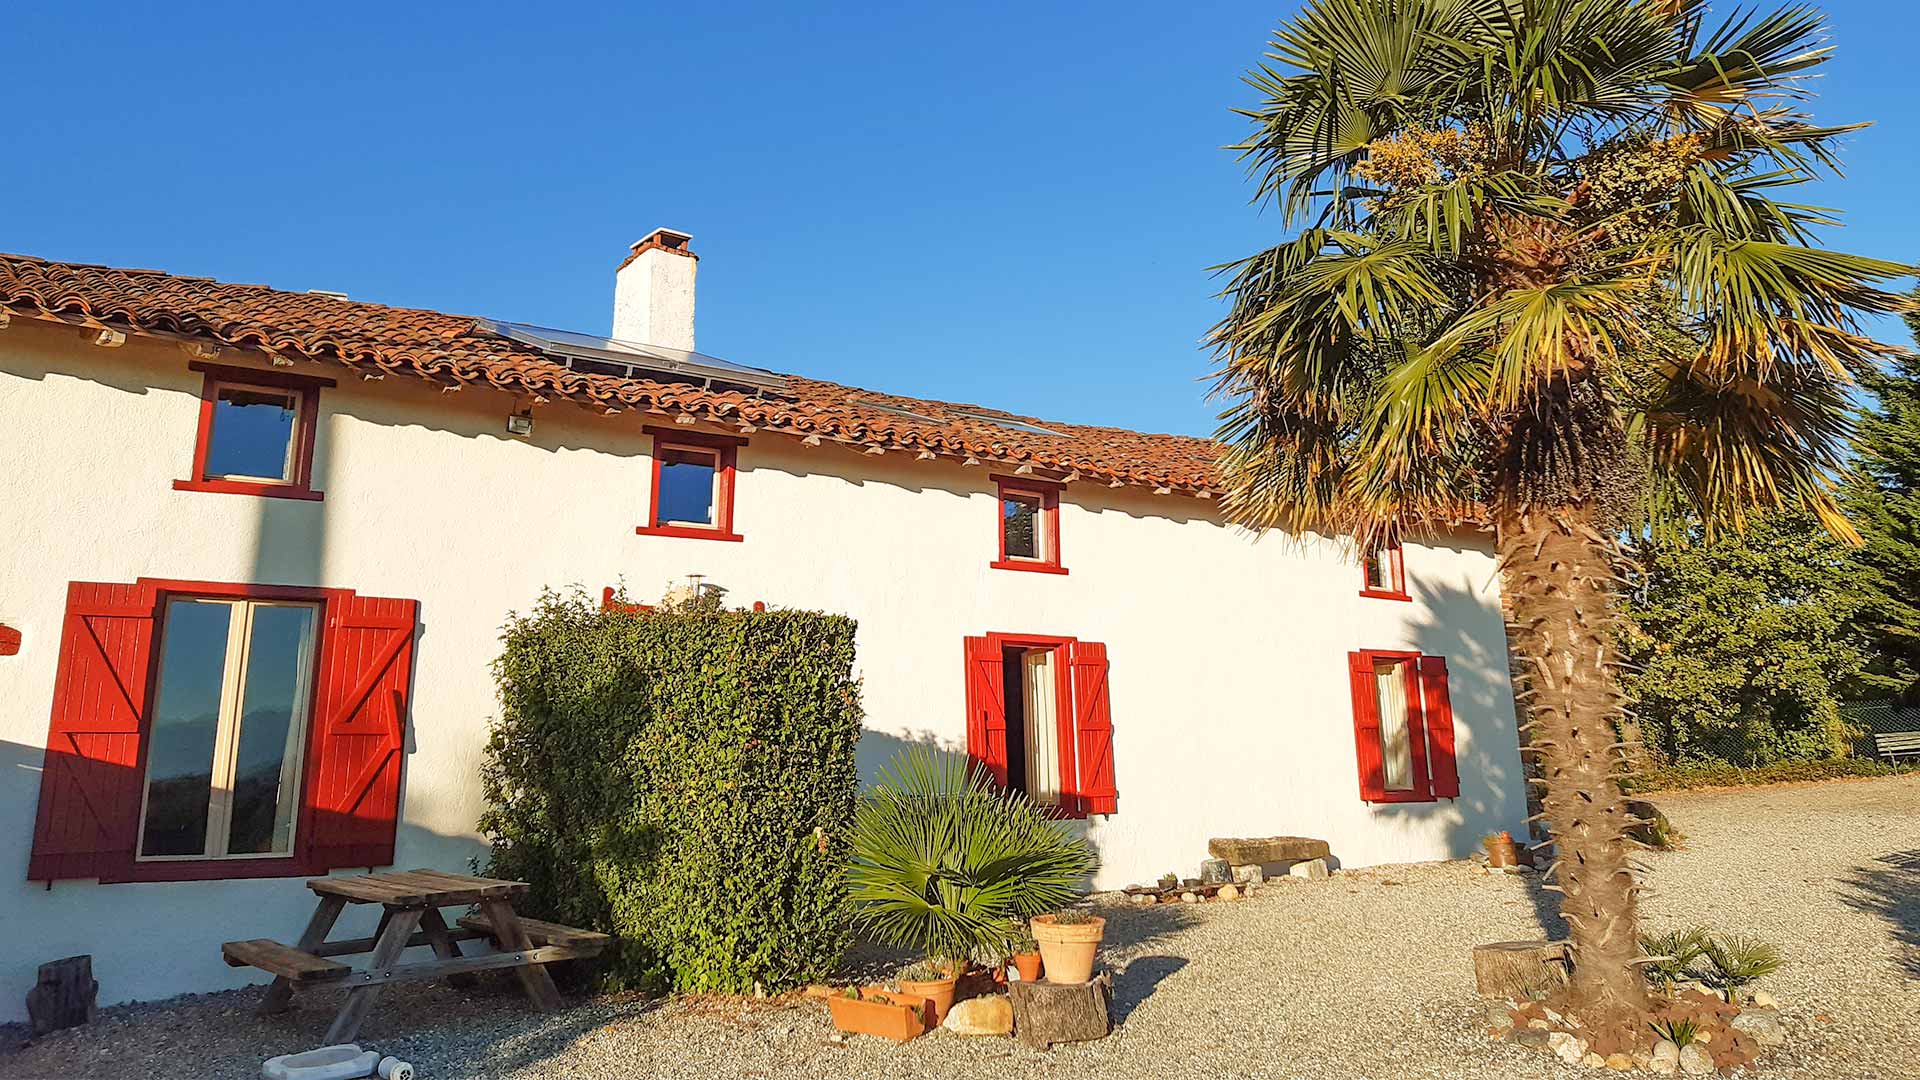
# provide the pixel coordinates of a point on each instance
(64, 995)
(1515, 969)
(1046, 1012)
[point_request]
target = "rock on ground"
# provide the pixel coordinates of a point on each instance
(991, 1014)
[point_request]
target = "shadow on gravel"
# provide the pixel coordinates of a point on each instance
(1891, 890)
(1139, 980)
(1143, 926)
(544, 1039)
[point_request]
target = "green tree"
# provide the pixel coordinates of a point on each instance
(1743, 644)
(1540, 260)
(1883, 500)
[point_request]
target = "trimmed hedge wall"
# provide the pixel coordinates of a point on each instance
(684, 781)
(1721, 774)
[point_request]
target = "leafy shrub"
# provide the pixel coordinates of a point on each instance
(1675, 778)
(943, 859)
(682, 780)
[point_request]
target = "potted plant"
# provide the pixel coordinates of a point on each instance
(933, 982)
(1068, 941)
(1026, 953)
(1500, 850)
(946, 862)
(881, 1012)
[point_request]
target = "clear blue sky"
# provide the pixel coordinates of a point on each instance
(1013, 205)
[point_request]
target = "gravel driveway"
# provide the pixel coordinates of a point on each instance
(1365, 976)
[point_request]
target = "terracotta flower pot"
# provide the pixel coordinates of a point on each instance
(882, 1013)
(938, 992)
(1028, 965)
(1067, 949)
(1500, 851)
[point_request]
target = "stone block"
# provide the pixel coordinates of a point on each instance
(1310, 869)
(1271, 849)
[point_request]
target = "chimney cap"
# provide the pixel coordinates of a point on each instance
(669, 239)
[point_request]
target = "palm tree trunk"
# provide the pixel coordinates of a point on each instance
(1559, 574)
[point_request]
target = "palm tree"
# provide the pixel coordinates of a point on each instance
(1542, 277)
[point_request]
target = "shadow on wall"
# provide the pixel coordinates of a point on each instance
(1891, 890)
(1460, 626)
(877, 747)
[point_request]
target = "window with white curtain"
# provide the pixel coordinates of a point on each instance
(1396, 742)
(1042, 726)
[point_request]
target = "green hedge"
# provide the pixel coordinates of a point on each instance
(683, 781)
(1720, 774)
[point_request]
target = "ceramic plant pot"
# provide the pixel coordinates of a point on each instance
(1500, 851)
(882, 1013)
(1028, 965)
(1067, 949)
(937, 992)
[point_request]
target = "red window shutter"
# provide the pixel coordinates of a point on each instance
(1366, 727)
(90, 787)
(1093, 729)
(986, 709)
(1441, 763)
(360, 716)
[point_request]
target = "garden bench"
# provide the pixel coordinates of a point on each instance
(1894, 745)
(412, 900)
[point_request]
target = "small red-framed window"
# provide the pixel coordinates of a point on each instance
(1383, 574)
(158, 767)
(256, 434)
(693, 485)
(1039, 720)
(1403, 726)
(1027, 524)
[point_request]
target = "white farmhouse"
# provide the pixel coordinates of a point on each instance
(259, 546)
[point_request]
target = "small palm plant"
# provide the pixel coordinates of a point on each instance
(1678, 1032)
(945, 862)
(1738, 961)
(1670, 956)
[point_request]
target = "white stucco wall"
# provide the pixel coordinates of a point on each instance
(1230, 699)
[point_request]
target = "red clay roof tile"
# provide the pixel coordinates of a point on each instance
(456, 349)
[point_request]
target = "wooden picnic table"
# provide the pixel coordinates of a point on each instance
(413, 900)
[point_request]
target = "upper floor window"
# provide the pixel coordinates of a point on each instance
(256, 434)
(693, 484)
(1385, 574)
(1029, 525)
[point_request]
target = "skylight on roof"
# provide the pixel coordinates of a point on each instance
(897, 411)
(1009, 422)
(632, 359)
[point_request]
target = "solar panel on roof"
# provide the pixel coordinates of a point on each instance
(1009, 422)
(897, 411)
(611, 356)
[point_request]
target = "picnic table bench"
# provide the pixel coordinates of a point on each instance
(412, 900)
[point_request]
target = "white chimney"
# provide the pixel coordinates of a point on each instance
(653, 291)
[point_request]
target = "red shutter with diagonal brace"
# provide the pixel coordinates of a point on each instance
(90, 785)
(1366, 726)
(366, 674)
(1092, 729)
(1442, 766)
(986, 709)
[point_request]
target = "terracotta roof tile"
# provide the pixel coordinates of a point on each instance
(455, 350)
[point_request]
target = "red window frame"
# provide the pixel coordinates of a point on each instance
(1397, 565)
(1082, 714)
(305, 431)
(341, 612)
(726, 450)
(1048, 492)
(1430, 729)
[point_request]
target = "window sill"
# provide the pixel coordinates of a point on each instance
(1382, 594)
(1030, 567)
(1402, 797)
(210, 870)
(243, 487)
(688, 532)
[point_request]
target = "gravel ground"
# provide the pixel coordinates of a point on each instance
(1365, 976)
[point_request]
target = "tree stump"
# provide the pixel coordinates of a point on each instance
(1047, 1012)
(64, 996)
(1513, 969)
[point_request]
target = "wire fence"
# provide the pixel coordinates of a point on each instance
(1849, 737)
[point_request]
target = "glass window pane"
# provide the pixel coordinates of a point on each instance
(1042, 727)
(253, 431)
(1396, 745)
(186, 724)
(686, 486)
(273, 702)
(1020, 526)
